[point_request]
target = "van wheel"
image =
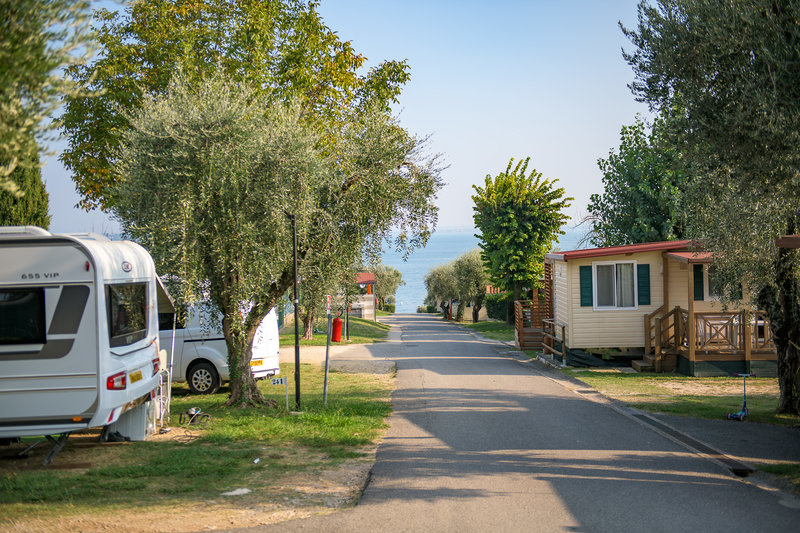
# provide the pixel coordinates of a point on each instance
(203, 379)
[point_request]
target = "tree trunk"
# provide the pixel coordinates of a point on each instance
(308, 324)
(787, 331)
(517, 295)
(244, 389)
(460, 311)
(476, 312)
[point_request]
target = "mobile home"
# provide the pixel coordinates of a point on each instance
(656, 300)
(78, 331)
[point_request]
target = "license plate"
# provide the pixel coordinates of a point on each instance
(136, 376)
(257, 362)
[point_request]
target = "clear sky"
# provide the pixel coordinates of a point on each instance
(490, 80)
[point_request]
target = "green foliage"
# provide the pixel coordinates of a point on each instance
(387, 280)
(280, 49)
(471, 280)
(389, 308)
(208, 177)
(37, 39)
(644, 188)
(519, 216)
(32, 207)
(734, 67)
(497, 306)
(441, 285)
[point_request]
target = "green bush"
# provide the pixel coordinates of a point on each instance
(496, 306)
(430, 308)
(422, 309)
(389, 308)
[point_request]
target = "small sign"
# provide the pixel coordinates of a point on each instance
(328, 305)
(278, 381)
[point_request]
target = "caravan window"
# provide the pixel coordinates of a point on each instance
(127, 313)
(22, 318)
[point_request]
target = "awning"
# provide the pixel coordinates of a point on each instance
(691, 257)
(165, 303)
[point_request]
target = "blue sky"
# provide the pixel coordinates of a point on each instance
(489, 81)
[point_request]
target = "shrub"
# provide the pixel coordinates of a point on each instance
(430, 308)
(389, 308)
(496, 305)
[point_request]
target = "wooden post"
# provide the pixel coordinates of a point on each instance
(659, 340)
(647, 330)
(665, 266)
(747, 340)
(676, 319)
(690, 324)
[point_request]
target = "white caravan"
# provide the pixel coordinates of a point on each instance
(201, 355)
(78, 331)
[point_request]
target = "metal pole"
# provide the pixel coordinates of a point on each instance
(296, 319)
(327, 362)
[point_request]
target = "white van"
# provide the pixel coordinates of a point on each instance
(201, 355)
(79, 341)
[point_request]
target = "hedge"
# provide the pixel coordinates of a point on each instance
(496, 306)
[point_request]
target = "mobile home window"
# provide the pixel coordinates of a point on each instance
(127, 313)
(22, 319)
(615, 285)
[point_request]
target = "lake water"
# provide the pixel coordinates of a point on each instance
(443, 247)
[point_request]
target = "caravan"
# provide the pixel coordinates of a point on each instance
(78, 331)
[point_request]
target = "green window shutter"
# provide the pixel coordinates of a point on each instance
(586, 286)
(643, 283)
(699, 294)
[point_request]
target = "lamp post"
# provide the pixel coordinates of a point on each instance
(296, 302)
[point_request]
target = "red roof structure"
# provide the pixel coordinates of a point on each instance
(663, 246)
(365, 278)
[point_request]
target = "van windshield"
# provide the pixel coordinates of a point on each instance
(22, 318)
(127, 313)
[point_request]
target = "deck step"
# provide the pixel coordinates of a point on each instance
(642, 366)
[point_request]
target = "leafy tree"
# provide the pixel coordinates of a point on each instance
(518, 216)
(32, 207)
(471, 280)
(387, 280)
(281, 49)
(441, 284)
(37, 39)
(735, 67)
(644, 187)
(209, 170)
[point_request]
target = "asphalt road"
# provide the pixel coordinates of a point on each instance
(479, 441)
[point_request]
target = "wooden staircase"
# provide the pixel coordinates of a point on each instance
(528, 316)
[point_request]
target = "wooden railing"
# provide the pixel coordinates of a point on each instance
(650, 330)
(722, 333)
(528, 315)
(551, 329)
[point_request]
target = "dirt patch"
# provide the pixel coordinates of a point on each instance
(702, 387)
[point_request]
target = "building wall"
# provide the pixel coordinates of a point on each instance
(560, 294)
(611, 328)
(679, 289)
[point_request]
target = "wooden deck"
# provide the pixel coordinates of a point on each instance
(681, 337)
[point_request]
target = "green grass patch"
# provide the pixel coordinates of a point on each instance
(675, 394)
(362, 331)
(212, 459)
(499, 331)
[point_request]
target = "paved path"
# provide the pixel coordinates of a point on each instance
(480, 441)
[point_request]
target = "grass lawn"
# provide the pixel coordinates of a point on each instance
(676, 394)
(492, 329)
(255, 448)
(362, 331)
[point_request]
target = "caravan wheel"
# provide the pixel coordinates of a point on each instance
(203, 379)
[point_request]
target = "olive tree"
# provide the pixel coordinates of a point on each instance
(734, 68)
(209, 171)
